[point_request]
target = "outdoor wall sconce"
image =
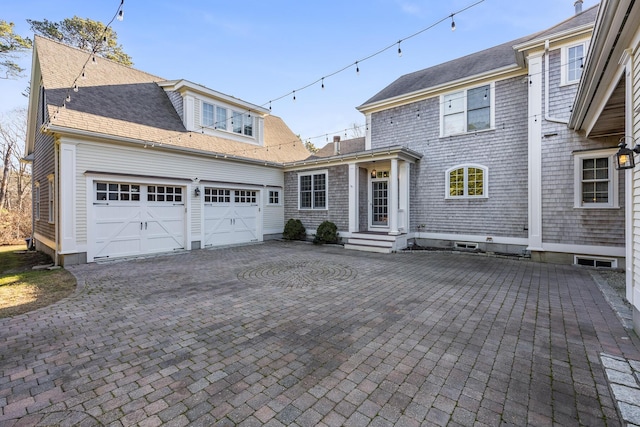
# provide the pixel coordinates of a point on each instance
(197, 191)
(374, 173)
(624, 156)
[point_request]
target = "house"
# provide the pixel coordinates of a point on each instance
(476, 153)
(126, 163)
(607, 105)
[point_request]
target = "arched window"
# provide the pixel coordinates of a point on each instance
(467, 181)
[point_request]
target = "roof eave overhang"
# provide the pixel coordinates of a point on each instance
(182, 86)
(539, 43)
(34, 93)
(395, 152)
(77, 133)
(407, 98)
(612, 34)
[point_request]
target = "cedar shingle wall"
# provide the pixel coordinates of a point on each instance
(502, 150)
(43, 165)
(338, 212)
(561, 222)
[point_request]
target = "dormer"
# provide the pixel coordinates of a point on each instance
(213, 113)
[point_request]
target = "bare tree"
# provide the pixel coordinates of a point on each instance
(15, 181)
(357, 130)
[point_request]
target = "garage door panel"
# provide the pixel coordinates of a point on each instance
(132, 219)
(230, 216)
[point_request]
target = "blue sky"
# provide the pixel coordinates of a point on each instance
(261, 50)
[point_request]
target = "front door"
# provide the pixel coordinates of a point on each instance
(379, 203)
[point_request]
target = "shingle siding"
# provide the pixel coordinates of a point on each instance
(177, 102)
(338, 199)
(43, 165)
(503, 150)
(561, 222)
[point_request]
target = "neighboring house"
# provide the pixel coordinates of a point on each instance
(476, 153)
(607, 105)
(134, 164)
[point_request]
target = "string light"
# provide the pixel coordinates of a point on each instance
(75, 87)
(399, 48)
(357, 68)
(453, 23)
(323, 83)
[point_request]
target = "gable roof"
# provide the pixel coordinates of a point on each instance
(118, 101)
(494, 58)
(347, 146)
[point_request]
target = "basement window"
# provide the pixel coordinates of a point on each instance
(595, 262)
(465, 245)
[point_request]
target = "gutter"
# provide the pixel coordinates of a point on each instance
(360, 155)
(547, 117)
(138, 142)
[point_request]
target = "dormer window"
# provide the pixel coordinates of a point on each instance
(222, 118)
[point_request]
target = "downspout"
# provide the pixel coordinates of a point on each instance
(56, 199)
(547, 117)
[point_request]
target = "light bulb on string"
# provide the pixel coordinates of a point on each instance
(94, 61)
(68, 98)
(399, 49)
(120, 15)
(357, 68)
(82, 76)
(294, 96)
(75, 87)
(453, 24)
(323, 83)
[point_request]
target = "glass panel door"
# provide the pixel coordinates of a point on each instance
(379, 203)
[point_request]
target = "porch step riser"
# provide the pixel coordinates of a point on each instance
(377, 237)
(371, 242)
(363, 248)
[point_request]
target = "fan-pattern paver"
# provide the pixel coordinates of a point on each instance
(251, 336)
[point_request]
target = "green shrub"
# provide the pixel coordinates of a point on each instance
(327, 232)
(294, 230)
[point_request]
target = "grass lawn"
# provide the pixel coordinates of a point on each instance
(23, 289)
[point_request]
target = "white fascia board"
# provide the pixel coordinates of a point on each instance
(593, 114)
(407, 98)
(185, 86)
(583, 30)
(82, 135)
(34, 93)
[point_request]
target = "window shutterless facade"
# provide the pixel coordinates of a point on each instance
(312, 190)
(466, 181)
(596, 180)
(468, 110)
(222, 118)
(572, 59)
(274, 197)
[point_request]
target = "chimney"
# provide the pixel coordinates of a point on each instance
(578, 6)
(336, 145)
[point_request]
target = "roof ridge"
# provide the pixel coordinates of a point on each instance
(58, 42)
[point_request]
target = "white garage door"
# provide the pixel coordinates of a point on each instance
(230, 216)
(135, 219)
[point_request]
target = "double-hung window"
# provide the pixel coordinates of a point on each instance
(466, 181)
(572, 59)
(596, 180)
(467, 110)
(312, 190)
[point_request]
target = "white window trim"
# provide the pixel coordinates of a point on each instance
(279, 197)
(492, 110)
(466, 166)
(231, 114)
(324, 172)
(51, 199)
(614, 202)
(564, 62)
(36, 198)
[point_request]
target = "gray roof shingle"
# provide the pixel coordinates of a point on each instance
(494, 58)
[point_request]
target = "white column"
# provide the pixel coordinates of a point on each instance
(353, 198)
(405, 176)
(393, 198)
(535, 152)
(367, 134)
(66, 195)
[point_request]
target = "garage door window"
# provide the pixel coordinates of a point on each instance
(217, 195)
(246, 197)
(113, 191)
(164, 194)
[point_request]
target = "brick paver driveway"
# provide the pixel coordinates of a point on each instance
(295, 334)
